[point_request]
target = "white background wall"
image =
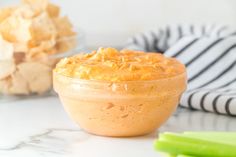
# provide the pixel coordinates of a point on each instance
(111, 22)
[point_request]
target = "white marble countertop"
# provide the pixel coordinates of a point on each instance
(39, 127)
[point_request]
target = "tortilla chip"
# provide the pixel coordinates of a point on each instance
(63, 26)
(7, 67)
(65, 44)
(16, 29)
(42, 29)
(29, 34)
(32, 8)
(35, 55)
(51, 62)
(51, 52)
(25, 11)
(20, 47)
(44, 45)
(45, 48)
(5, 13)
(5, 85)
(37, 5)
(53, 10)
(39, 77)
(6, 49)
(19, 84)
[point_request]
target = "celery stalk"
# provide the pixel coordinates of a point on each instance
(181, 155)
(164, 154)
(220, 137)
(179, 144)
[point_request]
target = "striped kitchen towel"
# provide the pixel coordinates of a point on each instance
(209, 53)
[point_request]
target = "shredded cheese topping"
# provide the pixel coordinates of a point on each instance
(109, 64)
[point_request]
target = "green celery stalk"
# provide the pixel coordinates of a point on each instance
(179, 144)
(220, 137)
(177, 148)
(181, 155)
(164, 154)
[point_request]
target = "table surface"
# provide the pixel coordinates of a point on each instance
(39, 127)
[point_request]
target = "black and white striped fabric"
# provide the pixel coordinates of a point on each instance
(209, 53)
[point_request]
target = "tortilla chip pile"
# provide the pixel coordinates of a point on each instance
(29, 33)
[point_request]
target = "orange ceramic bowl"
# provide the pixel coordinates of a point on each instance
(121, 109)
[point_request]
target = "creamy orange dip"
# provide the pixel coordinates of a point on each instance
(114, 102)
(109, 64)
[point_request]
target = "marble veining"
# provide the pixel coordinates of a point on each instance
(43, 141)
(39, 127)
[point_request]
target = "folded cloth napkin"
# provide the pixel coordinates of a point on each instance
(209, 53)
